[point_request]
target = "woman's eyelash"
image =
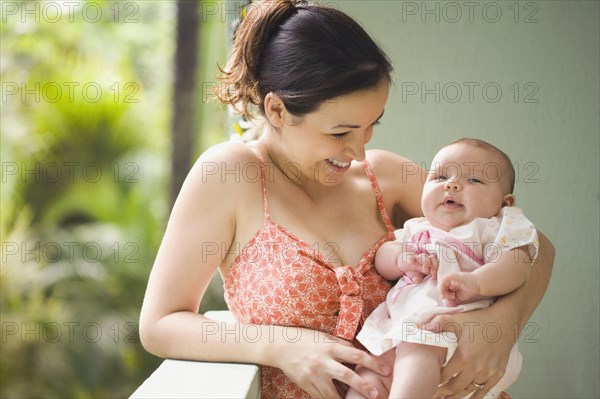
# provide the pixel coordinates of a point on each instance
(340, 135)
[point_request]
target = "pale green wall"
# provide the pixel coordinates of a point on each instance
(558, 136)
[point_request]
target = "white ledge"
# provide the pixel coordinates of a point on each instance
(189, 379)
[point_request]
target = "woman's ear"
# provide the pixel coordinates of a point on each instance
(508, 200)
(274, 110)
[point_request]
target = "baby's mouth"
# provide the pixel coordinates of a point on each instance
(451, 203)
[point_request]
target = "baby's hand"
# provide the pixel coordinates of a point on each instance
(417, 266)
(458, 288)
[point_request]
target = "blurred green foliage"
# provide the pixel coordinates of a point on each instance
(84, 202)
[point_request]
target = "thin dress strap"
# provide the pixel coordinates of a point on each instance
(373, 180)
(261, 164)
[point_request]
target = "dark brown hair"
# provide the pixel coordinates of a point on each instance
(507, 166)
(305, 54)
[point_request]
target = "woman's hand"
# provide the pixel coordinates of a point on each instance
(478, 360)
(482, 354)
(317, 358)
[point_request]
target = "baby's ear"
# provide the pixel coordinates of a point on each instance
(508, 200)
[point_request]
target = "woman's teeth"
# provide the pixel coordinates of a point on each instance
(338, 163)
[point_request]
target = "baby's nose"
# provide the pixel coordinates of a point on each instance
(452, 185)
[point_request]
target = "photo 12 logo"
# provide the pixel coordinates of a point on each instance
(69, 171)
(526, 172)
(469, 92)
(227, 11)
(53, 92)
(69, 11)
(469, 11)
(68, 251)
(69, 332)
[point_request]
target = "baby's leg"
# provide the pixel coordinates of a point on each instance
(378, 381)
(417, 370)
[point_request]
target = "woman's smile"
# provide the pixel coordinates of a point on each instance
(338, 166)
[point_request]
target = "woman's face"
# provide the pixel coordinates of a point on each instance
(320, 146)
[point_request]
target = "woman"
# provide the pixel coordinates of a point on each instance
(293, 220)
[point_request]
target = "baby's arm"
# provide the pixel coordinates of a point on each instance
(492, 279)
(395, 259)
(386, 260)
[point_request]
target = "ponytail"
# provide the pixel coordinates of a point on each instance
(304, 53)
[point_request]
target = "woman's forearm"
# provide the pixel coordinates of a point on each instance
(475, 360)
(191, 336)
(310, 358)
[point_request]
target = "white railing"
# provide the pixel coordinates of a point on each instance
(189, 379)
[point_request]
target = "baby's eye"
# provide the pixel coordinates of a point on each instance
(475, 180)
(441, 178)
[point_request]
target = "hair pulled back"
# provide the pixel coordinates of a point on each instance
(305, 54)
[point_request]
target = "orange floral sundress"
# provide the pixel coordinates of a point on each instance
(278, 279)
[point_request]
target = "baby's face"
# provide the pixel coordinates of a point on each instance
(465, 182)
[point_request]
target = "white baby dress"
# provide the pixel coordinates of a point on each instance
(463, 248)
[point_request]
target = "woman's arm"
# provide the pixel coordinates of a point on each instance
(204, 217)
(477, 359)
(187, 260)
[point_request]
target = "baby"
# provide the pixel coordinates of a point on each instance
(470, 224)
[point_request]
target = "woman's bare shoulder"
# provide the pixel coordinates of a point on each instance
(222, 174)
(383, 159)
(394, 169)
(229, 152)
(229, 164)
